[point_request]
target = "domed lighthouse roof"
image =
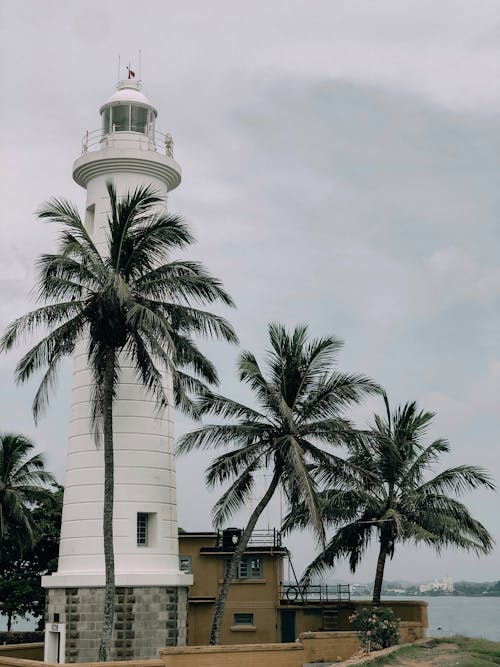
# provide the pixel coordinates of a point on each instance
(128, 92)
(128, 142)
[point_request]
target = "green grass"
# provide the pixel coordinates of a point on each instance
(470, 653)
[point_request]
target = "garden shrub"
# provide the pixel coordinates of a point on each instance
(377, 628)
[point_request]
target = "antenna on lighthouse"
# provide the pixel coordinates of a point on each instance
(140, 65)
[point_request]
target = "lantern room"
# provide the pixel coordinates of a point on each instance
(128, 110)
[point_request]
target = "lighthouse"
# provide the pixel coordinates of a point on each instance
(151, 591)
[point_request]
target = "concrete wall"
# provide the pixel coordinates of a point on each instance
(311, 647)
(310, 618)
(335, 646)
(22, 651)
(253, 655)
(244, 597)
(16, 662)
(329, 646)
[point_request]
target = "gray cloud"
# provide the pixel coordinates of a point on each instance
(340, 168)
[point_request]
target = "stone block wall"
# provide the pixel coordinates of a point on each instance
(146, 620)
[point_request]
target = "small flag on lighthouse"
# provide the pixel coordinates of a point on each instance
(131, 74)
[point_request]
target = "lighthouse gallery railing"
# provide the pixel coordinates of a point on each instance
(154, 140)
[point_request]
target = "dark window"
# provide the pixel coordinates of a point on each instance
(142, 529)
(185, 564)
(243, 619)
(250, 567)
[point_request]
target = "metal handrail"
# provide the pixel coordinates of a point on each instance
(157, 141)
(315, 593)
(265, 537)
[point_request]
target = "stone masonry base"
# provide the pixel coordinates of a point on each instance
(146, 620)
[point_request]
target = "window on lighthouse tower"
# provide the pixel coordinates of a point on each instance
(142, 529)
(147, 528)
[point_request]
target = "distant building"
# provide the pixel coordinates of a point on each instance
(445, 584)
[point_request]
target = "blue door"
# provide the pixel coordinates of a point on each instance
(287, 626)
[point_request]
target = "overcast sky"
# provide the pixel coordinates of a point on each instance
(340, 167)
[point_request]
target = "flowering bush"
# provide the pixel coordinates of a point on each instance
(377, 627)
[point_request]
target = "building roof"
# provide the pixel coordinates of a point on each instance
(269, 550)
(129, 90)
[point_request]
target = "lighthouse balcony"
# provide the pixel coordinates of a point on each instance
(148, 153)
(142, 139)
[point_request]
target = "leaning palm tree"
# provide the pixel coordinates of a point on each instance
(393, 502)
(301, 404)
(24, 481)
(127, 298)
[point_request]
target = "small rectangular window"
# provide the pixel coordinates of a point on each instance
(243, 619)
(255, 567)
(142, 529)
(185, 564)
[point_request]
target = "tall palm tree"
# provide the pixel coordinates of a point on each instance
(130, 299)
(394, 502)
(23, 482)
(301, 404)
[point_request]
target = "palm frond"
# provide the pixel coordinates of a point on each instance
(234, 498)
(302, 483)
(230, 464)
(218, 435)
(350, 541)
(181, 282)
(458, 480)
(211, 403)
(45, 316)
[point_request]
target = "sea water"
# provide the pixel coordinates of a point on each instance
(463, 615)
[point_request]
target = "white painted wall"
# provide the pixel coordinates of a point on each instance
(143, 439)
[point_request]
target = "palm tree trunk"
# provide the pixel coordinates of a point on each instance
(109, 557)
(9, 621)
(235, 560)
(379, 575)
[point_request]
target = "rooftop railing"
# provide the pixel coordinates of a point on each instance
(270, 538)
(313, 594)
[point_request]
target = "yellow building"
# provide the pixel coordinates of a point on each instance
(261, 607)
(251, 614)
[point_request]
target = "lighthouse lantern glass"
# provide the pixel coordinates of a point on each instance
(139, 119)
(120, 118)
(127, 118)
(106, 120)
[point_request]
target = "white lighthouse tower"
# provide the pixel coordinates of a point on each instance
(151, 593)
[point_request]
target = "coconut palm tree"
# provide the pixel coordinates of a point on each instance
(23, 482)
(394, 502)
(129, 299)
(301, 403)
